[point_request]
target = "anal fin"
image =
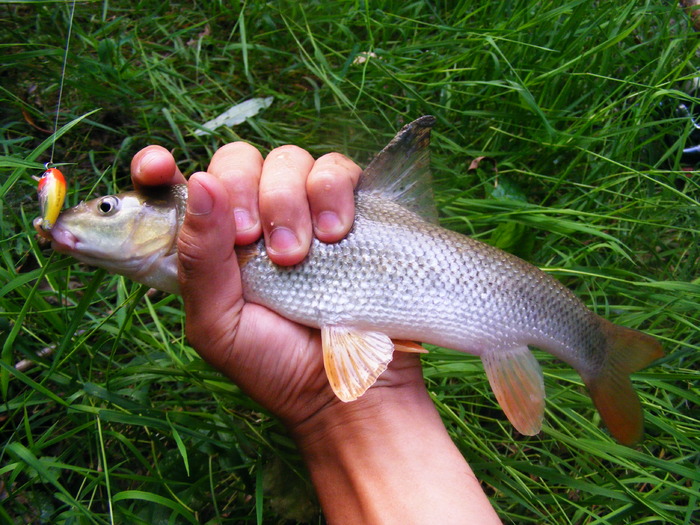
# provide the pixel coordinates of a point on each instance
(516, 380)
(354, 359)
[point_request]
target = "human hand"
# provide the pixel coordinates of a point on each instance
(289, 198)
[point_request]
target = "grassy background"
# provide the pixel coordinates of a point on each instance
(574, 100)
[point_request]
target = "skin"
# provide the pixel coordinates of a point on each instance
(366, 458)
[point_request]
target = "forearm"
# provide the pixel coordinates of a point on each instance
(387, 458)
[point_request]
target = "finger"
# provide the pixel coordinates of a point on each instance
(329, 187)
(154, 166)
(238, 166)
(208, 269)
(284, 207)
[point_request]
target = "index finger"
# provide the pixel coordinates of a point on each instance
(238, 166)
(155, 166)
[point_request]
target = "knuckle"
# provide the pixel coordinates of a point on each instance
(195, 254)
(324, 182)
(287, 151)
(190, 258)
(335, 158)
(238, 147)
(340, 163)
(333, 172)
(278, 199)
(330, 186)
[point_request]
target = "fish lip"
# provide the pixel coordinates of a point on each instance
(63, 241)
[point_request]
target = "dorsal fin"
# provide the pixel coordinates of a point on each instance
(401, 171)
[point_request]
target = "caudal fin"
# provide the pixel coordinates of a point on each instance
(611, 389)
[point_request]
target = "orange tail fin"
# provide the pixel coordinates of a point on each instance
(611, 389)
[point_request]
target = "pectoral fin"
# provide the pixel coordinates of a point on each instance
(354, 359)
(410, 347)
(516, 380)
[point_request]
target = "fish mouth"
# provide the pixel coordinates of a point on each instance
(62, 240)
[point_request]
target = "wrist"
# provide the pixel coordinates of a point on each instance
(340, 425)
(387, 458)
(361, 454)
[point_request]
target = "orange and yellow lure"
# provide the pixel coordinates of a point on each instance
(52, 193)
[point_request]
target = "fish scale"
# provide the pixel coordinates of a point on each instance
(462, 296)
(397, 277)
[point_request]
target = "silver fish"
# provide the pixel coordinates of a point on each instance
(397, 277)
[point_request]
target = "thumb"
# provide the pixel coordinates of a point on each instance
(208, 269)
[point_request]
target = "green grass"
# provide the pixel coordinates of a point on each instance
(574, 102)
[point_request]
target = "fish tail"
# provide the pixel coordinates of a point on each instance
(626, 352)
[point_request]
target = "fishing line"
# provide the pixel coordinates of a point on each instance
(63, 76)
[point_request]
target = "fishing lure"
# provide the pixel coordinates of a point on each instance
(52, 193)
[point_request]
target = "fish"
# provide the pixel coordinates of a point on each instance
(51, 190)
(396, 280)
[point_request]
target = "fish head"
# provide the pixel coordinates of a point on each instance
(132, 234)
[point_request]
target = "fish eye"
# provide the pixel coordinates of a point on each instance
(108, 205)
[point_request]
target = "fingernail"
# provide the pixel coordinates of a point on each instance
(244, 221)
(199, 200)
(328, 222)
(283, 240)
